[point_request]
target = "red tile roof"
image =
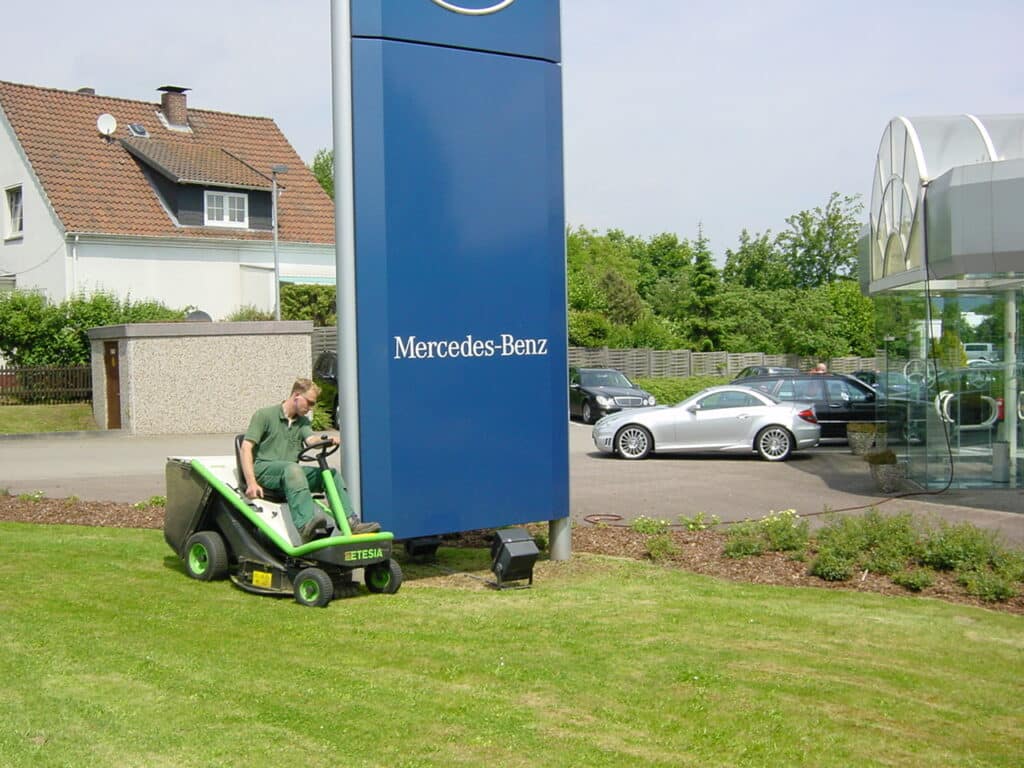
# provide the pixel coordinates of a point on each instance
(96, 186)
(200, 164)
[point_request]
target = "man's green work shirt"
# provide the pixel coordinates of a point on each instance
(273, 437)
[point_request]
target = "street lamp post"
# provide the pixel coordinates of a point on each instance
(274, 170)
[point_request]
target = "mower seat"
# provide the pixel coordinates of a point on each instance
(275, 496)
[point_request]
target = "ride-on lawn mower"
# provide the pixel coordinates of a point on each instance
(219, 532)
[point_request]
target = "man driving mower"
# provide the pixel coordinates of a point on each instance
(270, 451)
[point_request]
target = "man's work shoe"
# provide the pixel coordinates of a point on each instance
(359, 527)
(318, 522)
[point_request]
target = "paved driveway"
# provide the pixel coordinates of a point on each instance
(739, 487)
(114, 467)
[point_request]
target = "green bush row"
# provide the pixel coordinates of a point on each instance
(670, 391)
(897, 546)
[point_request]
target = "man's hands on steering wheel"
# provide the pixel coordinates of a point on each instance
(325, 448)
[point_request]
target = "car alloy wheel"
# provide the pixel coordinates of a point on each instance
(633, 442)
(588, 415)
(774, 444)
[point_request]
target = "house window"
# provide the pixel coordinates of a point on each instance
(227, 209)
(14, 220)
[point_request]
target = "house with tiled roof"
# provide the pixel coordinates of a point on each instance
(154, 201)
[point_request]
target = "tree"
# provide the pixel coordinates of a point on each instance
(750, 320)
(820, 246)
(588, 329)
(323, 168)
(624, 303)
(585, 294)
(852, 316)
(704, 286)
(671, 297)
(587, 251)
(663, 257)
(756, 264)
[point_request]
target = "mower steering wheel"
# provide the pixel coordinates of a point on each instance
(318, 451)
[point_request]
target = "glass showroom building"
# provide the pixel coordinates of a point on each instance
(945, 259)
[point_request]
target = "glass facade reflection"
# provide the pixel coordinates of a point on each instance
(952, 401)
(945, 260)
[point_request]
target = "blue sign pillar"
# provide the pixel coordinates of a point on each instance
(459, 265)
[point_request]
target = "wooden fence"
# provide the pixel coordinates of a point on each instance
(45, 384)
(665, 363)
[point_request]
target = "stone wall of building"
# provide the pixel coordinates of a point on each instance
(194, 378)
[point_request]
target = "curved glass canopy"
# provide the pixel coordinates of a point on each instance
(913, 151)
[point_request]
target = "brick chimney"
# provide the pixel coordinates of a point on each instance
(173, 105)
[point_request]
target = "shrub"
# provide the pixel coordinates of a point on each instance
(861, 426)
(744, 540)
(249, 312)
(881, 544)
(321, 419)
(880, 457)
(990, 587)
(961, 547)
(669, 391)
(661, 547)
(36, 332)
(832, 565)
(1009, 565)
(648, 525)
(699, 522)
(914, 579)
(843, 536)
(784, 531)
(152, 501)
(309, 302)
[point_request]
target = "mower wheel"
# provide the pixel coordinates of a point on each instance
(206, 557)
(383, 578)
(313, 588)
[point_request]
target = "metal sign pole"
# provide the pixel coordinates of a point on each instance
(345, 249)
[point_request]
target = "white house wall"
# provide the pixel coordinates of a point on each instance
(37, 258)
(216, 277)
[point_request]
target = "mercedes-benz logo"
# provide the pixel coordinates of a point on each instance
(474, 11)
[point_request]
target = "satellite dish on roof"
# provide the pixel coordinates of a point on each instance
(106, 124)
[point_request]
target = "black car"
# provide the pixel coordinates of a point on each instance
(837, 399)
(596, 392)
(764, 370)
(325, 374)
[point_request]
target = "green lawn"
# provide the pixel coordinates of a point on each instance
(111, 656)
(22, 419)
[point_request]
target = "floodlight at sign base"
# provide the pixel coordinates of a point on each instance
(422, 548)
(513, 553)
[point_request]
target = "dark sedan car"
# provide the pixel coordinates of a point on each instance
(837, 399)
(596, 392)
(764, 370)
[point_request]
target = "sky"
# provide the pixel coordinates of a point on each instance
(679, 115)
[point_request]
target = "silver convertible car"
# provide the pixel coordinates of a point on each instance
(726, 418)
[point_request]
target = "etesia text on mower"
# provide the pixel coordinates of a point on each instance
(364, 554)
(506, 345)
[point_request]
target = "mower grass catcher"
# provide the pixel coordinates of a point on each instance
(220, 533)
